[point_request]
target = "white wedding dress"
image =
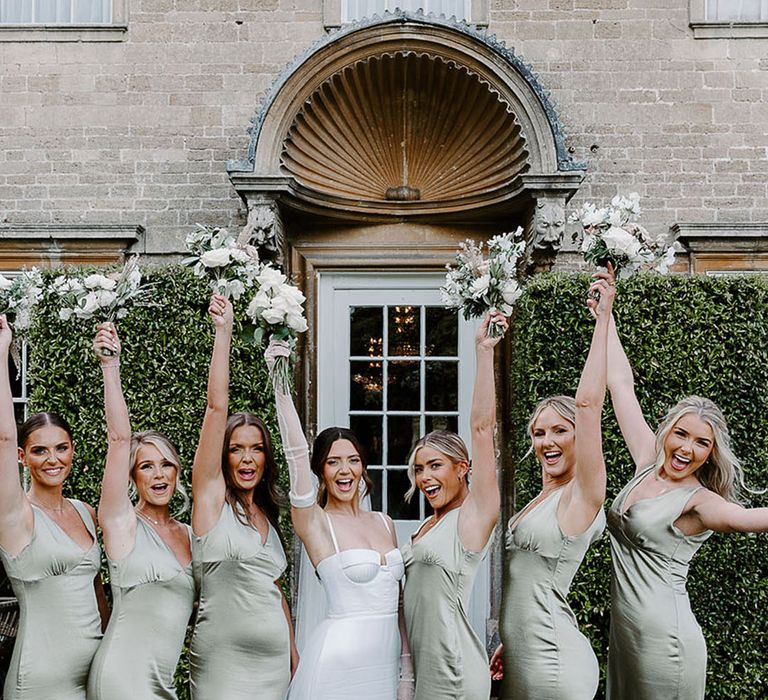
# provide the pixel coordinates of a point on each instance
(354, 653)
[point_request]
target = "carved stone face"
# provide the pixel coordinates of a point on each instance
(550, 225)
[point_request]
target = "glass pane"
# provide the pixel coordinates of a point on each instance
(403, 386)
(365, 331)
(376, 494)
(441, 423)
(442, 386)
(402, 434)
(442, 331)
(365, 387)
(403, 330)
(397, 485)
(368, 431)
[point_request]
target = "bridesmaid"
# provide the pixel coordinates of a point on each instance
(544, 653)
(242, 646)
(354, 652)
(442, 557)
(148, 551)
(51, 555)
(685, 487)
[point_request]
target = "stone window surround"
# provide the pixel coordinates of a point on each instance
(478, 13)
(116, 30)
(708, 29)
(720, 248)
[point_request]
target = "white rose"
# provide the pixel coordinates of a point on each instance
(273, 316)
(618, 241)
(292, 294)
(5, 283)
(89, 303)
(105, 298)
(215, 258)
(97, 281)
(65, 314)
(270, 279)
(511, 292)
(239, 255)
(235, 289)
(296, 322)
(480, 285)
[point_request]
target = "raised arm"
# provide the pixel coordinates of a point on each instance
(638, 435)
(588, 486)
(116, 515)
(712, 512)
(308, 520)
(208, 486)
(16, 519)
(480, 510)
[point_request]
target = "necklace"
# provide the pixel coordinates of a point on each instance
(152, 520)
(60, 510)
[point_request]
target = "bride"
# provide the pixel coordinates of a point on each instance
(354, 652)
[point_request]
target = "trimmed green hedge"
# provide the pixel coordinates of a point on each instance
(164, 367)
(683, 335)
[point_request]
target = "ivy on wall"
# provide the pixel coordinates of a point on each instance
(683, 335)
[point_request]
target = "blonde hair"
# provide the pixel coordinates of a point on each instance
(564, 406)
(722, 472)
(444, 441)
(165, 447)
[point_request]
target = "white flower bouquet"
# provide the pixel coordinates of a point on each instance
(104, 297)
(18, 296)
(477, 285)
(276, 310)
(231, 262)
(612, 234)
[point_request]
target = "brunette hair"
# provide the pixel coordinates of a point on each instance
(165, 447)
(445, 441)
(321, 447)
(266, 495)
(40, 420)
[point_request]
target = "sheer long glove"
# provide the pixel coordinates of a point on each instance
(406, 688)
(303, 489)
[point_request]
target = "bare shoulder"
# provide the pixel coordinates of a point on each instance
(92, 512)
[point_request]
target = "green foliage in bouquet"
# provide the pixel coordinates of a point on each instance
(164, 367)
(683, 335)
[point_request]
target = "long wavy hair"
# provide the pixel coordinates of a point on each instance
(321, 448)
(445, 441)
(564, 406)
(722, 472)
(267, 494)
(166, 448)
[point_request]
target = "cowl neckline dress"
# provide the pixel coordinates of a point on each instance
(59, 621)
(656, 648)
(545, 654)
(450, 662)
(354, 653)
(153, 595)
(241, 645)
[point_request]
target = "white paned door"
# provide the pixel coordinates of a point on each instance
(393, 364)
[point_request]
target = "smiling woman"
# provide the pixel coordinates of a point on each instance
(50, 553)
(243, 637)
(685, 487)
(148, 551)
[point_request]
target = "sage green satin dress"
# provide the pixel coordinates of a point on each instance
(59, 622)
(545, 654)
(153, 597)
(450, 662)
(241, 644)
(656, 647)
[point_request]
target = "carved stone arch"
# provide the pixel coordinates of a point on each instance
(407, 117)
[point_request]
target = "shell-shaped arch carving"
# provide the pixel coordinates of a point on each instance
(404, 126)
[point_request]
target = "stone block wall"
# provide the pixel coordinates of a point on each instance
(138, 132)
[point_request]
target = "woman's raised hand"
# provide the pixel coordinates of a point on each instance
(602, 292)
(497, 663)
(6, 335)
(220, 310)
(106, 339)
(481, 336)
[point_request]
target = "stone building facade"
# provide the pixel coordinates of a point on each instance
(371, 148)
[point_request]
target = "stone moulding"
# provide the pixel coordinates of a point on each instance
(403, 115)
